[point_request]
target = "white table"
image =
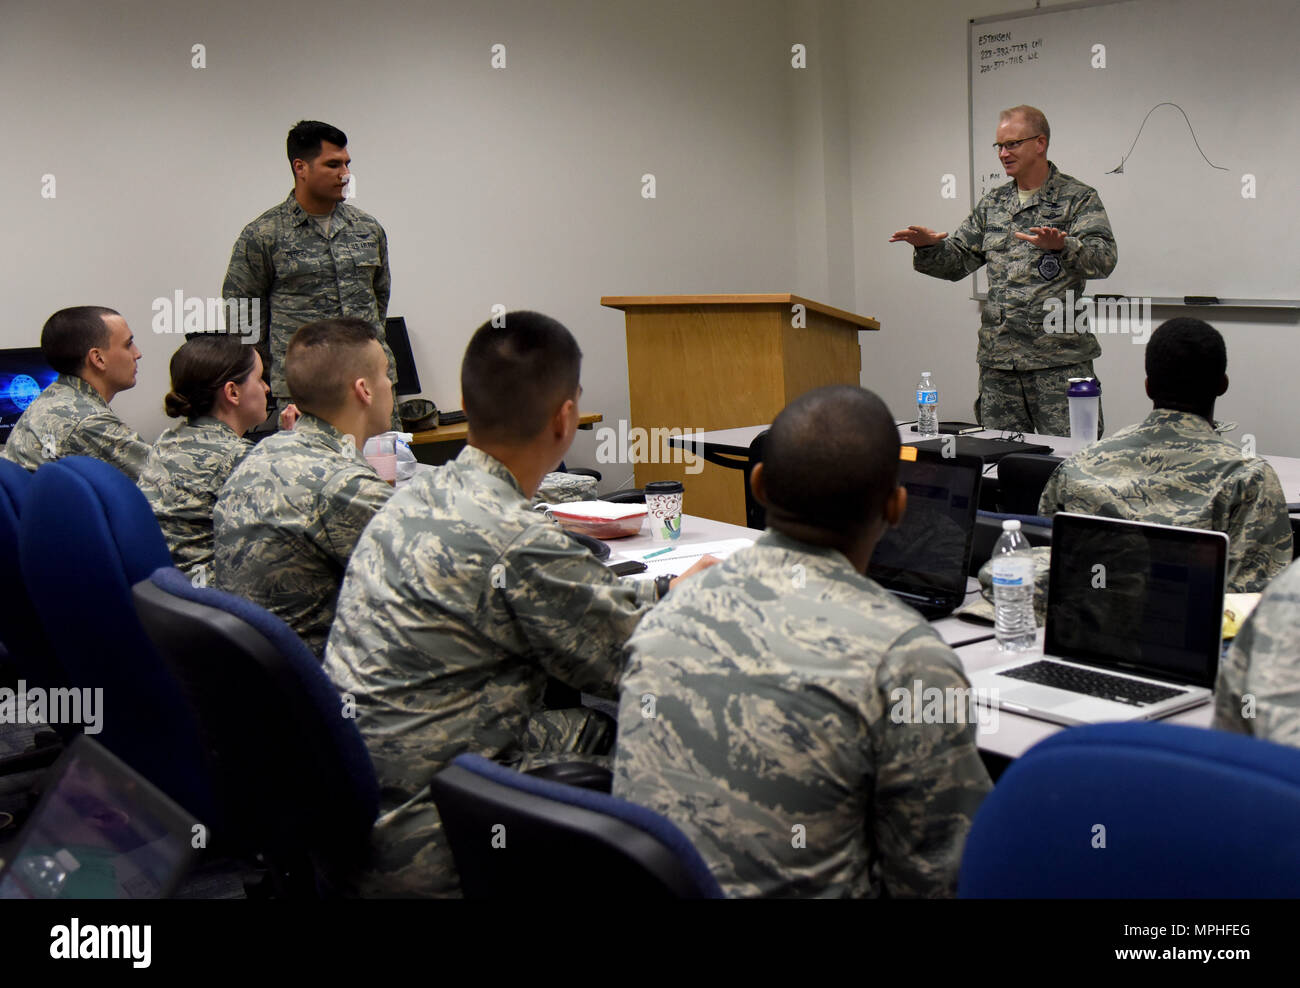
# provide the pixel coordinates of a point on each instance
(1014, 734)
(696, 530)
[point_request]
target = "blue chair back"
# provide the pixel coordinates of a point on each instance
(20, 629)
(87, 536)
(292, 770)
(560, 837)
(1140, 811)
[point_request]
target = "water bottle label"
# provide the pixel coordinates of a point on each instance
(1013, 573)
(927, 397)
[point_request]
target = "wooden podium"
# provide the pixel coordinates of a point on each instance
(706, 362)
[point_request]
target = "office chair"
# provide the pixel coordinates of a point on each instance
(1021, 479)
(1183, 813)
(988, 529)
(755, 513)
(560, 840)
(87, 536)
(28, 656)
(291, 770)
(629, 495)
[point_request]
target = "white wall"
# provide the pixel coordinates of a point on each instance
(522, 186)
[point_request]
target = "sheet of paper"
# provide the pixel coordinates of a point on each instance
(679, 558)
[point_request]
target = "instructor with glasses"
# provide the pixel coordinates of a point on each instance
(1041, 235)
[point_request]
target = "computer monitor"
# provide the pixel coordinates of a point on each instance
(408, 380)
(23, 375)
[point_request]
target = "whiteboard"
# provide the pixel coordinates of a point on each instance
(1182, 223)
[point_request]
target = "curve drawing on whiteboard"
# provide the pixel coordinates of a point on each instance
(1119, 169)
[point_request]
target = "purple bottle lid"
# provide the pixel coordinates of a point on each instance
(1084, 387)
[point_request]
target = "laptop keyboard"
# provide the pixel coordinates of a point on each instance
(1120, 689)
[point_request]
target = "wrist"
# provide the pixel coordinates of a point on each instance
(663, 584)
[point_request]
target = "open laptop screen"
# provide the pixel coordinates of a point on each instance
(930, 549)
(100, 831)
(23, 375)
(1144, 598)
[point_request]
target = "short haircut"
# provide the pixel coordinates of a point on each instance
(200, 370)
(1033, 116)
(324, 358)
(1185, 362)
(70, 334)
(830, 459)
(514, 376)
(305, 139)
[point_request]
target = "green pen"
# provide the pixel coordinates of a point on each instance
(658, 552)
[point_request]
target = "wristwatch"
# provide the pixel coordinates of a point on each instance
(663, 584)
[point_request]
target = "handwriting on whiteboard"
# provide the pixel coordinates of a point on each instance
(998, 51)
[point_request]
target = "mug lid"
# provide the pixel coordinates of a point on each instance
(664, 487)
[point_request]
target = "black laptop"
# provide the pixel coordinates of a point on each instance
(988, 450)
(924, 560)
(100, 831)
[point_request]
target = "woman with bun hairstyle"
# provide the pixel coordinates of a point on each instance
(217, 388)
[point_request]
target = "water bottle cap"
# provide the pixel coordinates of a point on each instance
(65, 858)
(1011, 525)
(925, 373)
(1084, 387)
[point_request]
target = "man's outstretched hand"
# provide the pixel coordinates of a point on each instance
(917, 236)
(1045, 237)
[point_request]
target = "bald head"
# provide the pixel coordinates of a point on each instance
(830, 460)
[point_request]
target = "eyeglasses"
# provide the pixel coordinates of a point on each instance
(1012, 145)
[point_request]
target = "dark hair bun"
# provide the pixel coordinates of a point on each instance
(177, 406)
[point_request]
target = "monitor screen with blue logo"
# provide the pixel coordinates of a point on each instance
(23, 375)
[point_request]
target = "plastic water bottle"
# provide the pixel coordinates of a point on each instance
(1013, 590)
(1084, 398)
(927, 407)
(45, 875)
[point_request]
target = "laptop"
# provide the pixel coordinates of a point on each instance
(988, 450)
(100, 831)
(23, 375)
(1134, 625)
(924, 560)
(408, 378)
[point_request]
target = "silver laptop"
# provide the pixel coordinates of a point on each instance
(1134, 625)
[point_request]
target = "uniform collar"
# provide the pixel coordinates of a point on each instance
(475, 459)
(1185, 423)
(299, 216)
(1047, 192)
(80, 384)
(776, 540)
(312, 428)
(210, 422)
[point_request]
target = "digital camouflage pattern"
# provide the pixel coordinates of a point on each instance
(287, 520)
(775, 742)
(562, 488)
(459, 601)
(1022, 278)
(71, 418)
(1174, 469)
(1032, 401)
(186, 467)
(1258, 690)
(302, 276)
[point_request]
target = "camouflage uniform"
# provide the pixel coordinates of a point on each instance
(1174, 469)
(71, 418)
(186, 467)
(771, 678)
(300, 276)
(1264, 664)
(459, 601)
(1021, 279)
(287, 520)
